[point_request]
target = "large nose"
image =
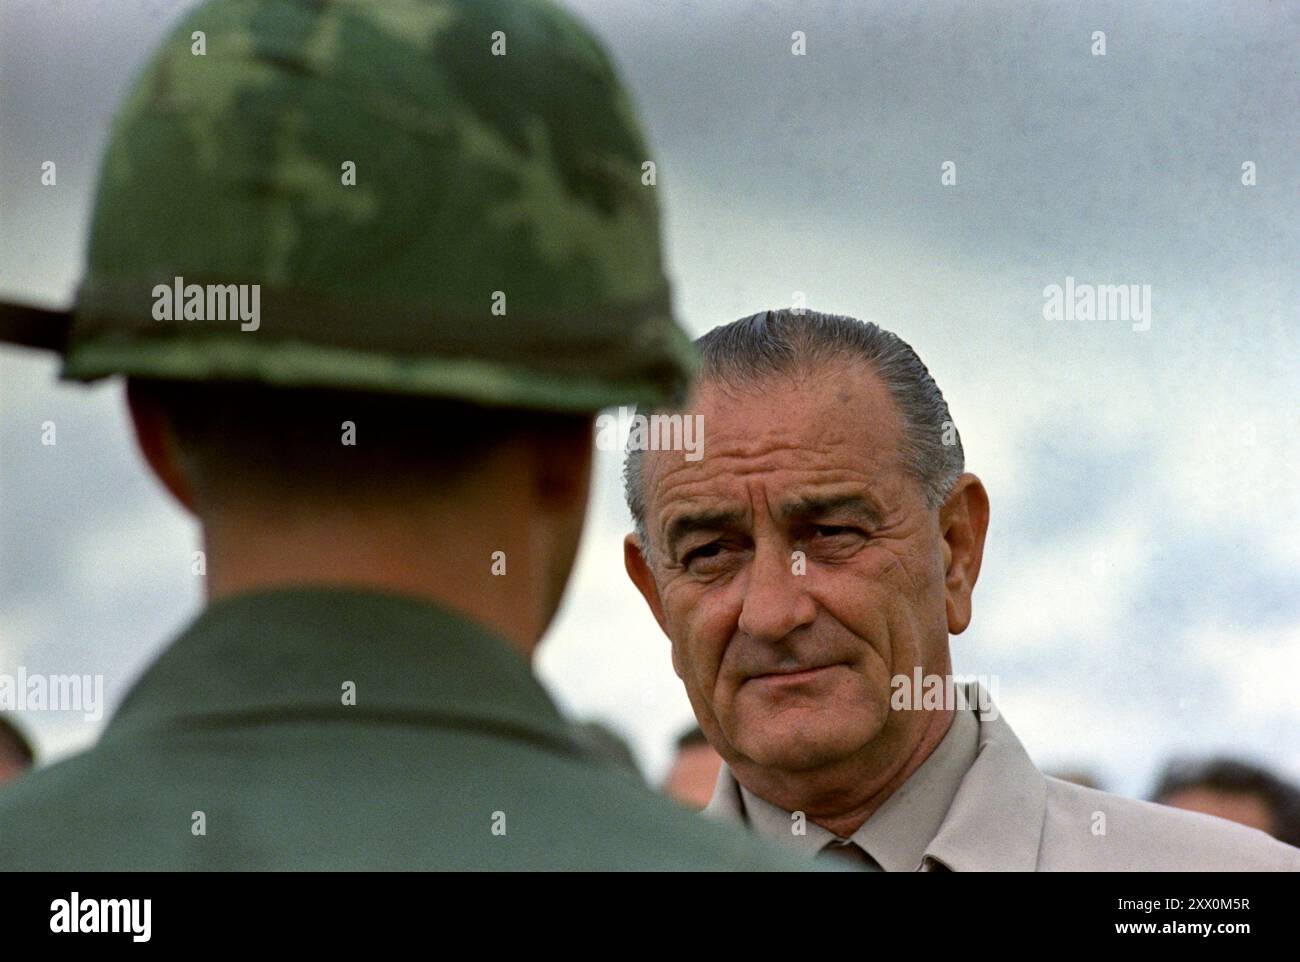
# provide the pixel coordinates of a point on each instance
(776, 600)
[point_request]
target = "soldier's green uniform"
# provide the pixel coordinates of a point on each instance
(453, 757)
(385, 172)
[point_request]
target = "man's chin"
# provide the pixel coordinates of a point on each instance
(802, 745)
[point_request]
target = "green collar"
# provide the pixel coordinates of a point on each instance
(290, 654)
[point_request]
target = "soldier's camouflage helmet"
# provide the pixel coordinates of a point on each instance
(439, 197)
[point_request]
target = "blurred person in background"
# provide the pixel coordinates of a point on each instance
(604, 742)
(1078, 776)
(1236, 790)
(16, 755)
(694, 771)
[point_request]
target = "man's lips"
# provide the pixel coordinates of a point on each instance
(796, 677)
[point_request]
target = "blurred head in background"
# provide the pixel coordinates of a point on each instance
(694, 771)
(1236, 790)
(602, 740)
(1078, 776)
(16, 755)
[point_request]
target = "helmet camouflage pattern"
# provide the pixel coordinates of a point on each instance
(436, 197)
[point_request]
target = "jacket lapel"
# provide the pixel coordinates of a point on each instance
(995, 823)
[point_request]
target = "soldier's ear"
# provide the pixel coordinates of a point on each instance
(638, 569)
(157, 442)
(563, 458)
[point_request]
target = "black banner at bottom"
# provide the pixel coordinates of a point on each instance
(334, 911)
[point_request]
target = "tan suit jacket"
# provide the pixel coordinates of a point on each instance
(1009, 816)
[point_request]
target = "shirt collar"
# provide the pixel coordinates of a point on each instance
(991, 821)
(290, 653)
(898, 834)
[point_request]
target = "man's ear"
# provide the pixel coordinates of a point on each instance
(153, 435)
(963, 522)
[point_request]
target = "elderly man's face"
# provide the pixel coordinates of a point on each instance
(797, 569)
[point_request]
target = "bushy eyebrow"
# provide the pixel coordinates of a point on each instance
(853, 505)
(685, 524)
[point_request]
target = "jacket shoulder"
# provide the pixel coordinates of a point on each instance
(1088, 830)
(129, 807)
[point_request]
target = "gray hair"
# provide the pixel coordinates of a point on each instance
(785, 341)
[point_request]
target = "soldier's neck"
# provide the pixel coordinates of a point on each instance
(479, 564)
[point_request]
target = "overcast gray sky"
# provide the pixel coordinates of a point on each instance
(1139, 595)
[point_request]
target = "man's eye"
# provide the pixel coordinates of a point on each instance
(710, 550)
(830, 531)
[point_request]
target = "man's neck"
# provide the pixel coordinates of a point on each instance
(841, 797)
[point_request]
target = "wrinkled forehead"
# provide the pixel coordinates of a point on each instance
(827, 433)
